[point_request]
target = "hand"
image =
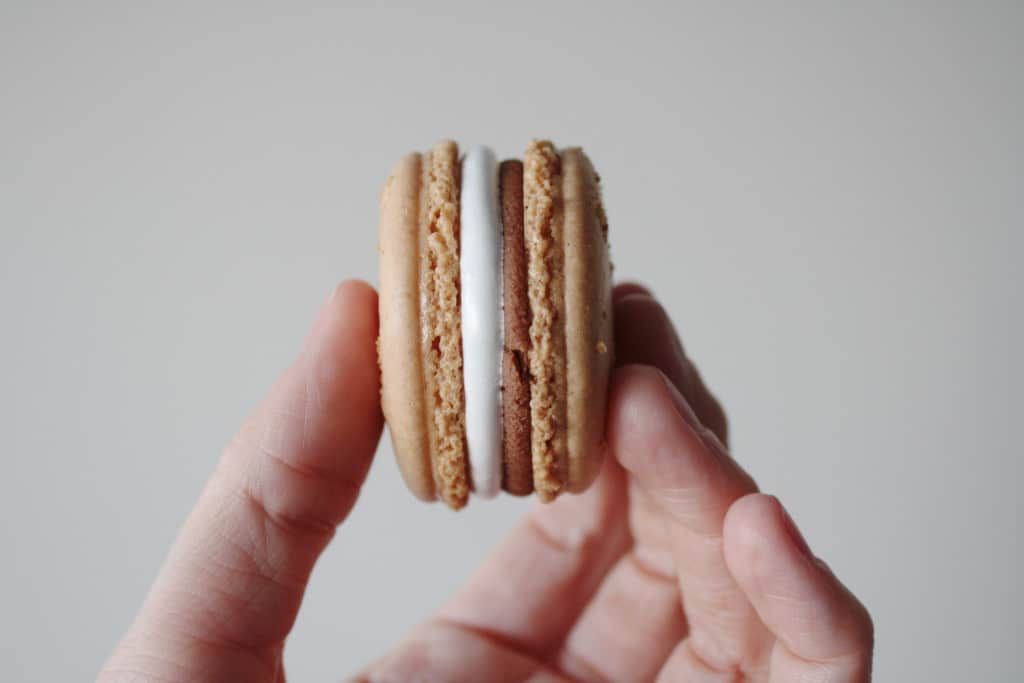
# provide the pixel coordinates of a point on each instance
(671, 567)
(670, 563)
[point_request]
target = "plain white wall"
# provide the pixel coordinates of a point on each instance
(829, 200)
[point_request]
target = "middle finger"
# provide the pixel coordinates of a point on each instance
(683, 483)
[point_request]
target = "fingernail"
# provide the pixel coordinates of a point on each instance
(794, 534)
(686, 411)
(336, 291)
(681, 404)
(629, 288)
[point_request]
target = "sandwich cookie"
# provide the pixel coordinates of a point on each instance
(495, 339)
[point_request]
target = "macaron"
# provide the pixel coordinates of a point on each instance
(495, 343)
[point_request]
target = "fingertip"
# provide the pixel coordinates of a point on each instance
(340, 357)
(748, 522)
(762, 544)
(644, 334)
(356, 298)
(350, 317)
(636, 408)
(623, 378)
(795, 594)
(645, 404)
(654, 435)
(351, 302)
(636, 416)
(352, 285)
(628, 288)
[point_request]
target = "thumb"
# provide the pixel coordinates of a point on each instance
(230, 589)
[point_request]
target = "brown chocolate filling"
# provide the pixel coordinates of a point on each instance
(517, 465)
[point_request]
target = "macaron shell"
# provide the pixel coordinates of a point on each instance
(398, 349)
(440, 321)
(589, 339)
(543, 218)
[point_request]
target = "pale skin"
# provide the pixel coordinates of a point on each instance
(671, 567)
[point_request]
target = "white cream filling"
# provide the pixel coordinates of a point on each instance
(482, 319)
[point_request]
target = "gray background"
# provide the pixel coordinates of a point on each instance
(829, 201)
